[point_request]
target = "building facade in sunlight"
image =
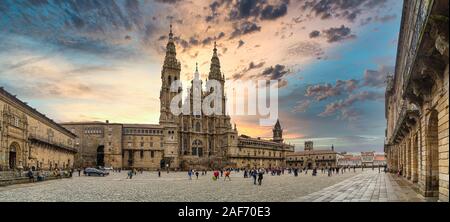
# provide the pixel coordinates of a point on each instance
(310, 158)
(417, 99)
(183, 141)
(29, 139)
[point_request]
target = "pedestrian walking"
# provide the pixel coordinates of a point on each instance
(190, 174)
(196, 174)
(227, 175)
(260, 177)
(254, 175)
(130, 174)
(79, 172)
(216, 175)
(159, 173)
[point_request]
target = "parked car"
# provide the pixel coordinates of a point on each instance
(93, 171)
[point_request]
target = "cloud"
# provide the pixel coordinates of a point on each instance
(245, 28)
(377, 78)
(241, 43)
(282, 83)
(314, 34)
(45, 90)
(380, 19)
(275, 72)
(331, 108)
(27, 62)
(168, 1)
(325, 91)
(305, 49)
(271, 12)
(338, 34)
(349, 10)
(243, 9)
(251, 66)
(385, 18)
(302, 106)
(350, 114)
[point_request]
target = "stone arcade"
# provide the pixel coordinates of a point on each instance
(417, 99)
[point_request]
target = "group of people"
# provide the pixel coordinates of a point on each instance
(216, 173)
(40, 175)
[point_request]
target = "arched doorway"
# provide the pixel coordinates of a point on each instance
(13, 149)
(101, 156)
(432, 163)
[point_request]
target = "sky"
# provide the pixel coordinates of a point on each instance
(96, 60)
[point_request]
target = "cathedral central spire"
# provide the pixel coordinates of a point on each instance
(196, 74)
(171, 53)
(214, 72)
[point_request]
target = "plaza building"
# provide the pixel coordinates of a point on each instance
(29, 139)
(310, 158)
(261, 153)
(350, 160)
(417, 99)
(179, 141)
(366, 159)
(117, 145)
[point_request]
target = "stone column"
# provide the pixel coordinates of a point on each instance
(408, 157)
(414, 158)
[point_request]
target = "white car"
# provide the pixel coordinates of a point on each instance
(108, 168)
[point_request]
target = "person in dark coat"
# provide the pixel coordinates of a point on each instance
(260, 177)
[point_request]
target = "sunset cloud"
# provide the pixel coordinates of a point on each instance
(96, 60)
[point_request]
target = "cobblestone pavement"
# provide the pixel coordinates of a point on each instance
(369, 186)
(171, 187)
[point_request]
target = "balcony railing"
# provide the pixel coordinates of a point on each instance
(45, 141)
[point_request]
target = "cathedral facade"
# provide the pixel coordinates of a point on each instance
(180, 141)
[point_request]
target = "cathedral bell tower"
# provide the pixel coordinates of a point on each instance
(277, 132)
(170, 72)
(216, 74)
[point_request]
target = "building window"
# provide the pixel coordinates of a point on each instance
(197, 127)
(142, 154)
(152, 154)
(142, 144)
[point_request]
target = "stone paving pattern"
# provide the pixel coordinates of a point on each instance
(369, 186)
(175, 186)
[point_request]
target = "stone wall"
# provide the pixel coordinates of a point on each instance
(29, 139)
(417, 100)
